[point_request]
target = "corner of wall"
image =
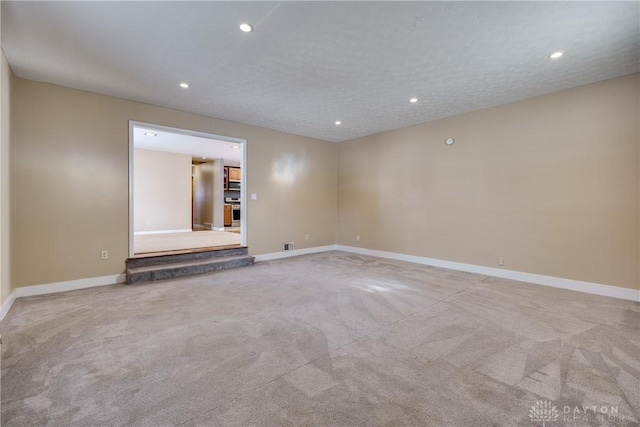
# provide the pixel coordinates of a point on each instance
(7, 80)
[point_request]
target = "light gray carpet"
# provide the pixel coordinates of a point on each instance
(330, 339)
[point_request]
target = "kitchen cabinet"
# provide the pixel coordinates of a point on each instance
(227, 215)
(226, 178)
(234, 174)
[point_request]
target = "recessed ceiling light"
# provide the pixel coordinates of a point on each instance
(556, 55)
(413, 100)
(246, 27)
(204, 158)
(184, 85)
(150, 134)
(449, 141)
(338, 123)
(235, 147)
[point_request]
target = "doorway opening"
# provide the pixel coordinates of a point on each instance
(186, 191)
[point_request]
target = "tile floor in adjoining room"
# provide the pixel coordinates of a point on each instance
(166, 242)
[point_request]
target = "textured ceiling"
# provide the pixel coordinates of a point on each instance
(308, 64)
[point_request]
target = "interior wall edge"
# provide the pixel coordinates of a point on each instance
(7, 271)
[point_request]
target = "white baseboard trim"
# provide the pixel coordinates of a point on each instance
(6, 306)
(295, 252)
(537, 279)
(51, 288)
(185, 230)
(556, 282)
(71, 285)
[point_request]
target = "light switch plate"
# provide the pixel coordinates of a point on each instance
(254, 196)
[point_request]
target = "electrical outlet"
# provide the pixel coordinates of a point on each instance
(501, 261)
(357, 238)
(104, 255)
(306, 236)
(148, 222)
(287, 246)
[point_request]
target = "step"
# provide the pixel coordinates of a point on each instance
(144, 261)
(187, 268)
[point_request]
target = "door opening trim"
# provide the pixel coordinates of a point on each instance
(243, 171)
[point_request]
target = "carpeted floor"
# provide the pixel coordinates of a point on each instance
(146, 243)
(330, 339)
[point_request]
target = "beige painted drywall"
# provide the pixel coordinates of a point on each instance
(162, 191)
(6, 81)
(549, 183)
(71, 181)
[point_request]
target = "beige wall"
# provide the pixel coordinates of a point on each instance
(550, 183)
(6, 80)
(162, 191)
(71, 182)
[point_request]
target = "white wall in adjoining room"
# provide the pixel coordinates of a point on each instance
(162, 191)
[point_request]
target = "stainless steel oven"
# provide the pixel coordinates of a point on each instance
(235, 210)
(235, 215)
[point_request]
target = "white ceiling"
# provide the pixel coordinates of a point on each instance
(308, 64)
(195, 146)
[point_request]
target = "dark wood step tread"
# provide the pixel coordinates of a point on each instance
(183, 264)
(186, 257)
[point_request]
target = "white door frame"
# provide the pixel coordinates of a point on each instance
(243, 171)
